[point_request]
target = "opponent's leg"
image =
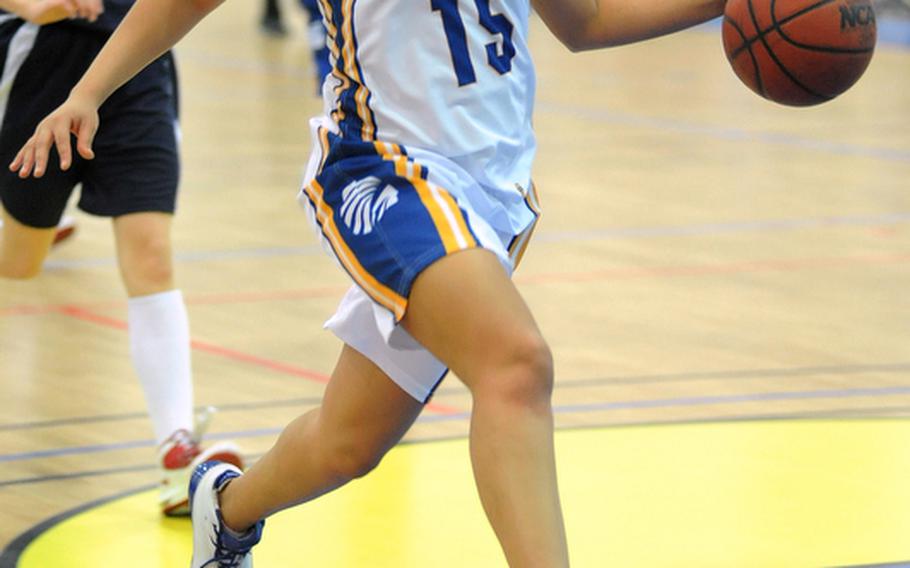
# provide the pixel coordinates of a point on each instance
(160, 350)
(317, 37)
(271, 22)
(23, 248)
(363, 415)
(467, 312)
(159, 330)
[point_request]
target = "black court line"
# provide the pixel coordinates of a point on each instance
(9, 557)
(904, 564)
(866, 415)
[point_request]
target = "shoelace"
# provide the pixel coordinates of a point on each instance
(225, 558)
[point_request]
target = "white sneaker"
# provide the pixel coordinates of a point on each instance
(214, 546)
(179, 455)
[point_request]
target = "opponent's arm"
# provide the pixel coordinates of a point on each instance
(592, 24)
(149, 29)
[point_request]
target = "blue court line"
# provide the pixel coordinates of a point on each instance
(563, 384)
(725, 228)
(744, 374)
(892, 31)
(616, 233)
(561, 409)
(733, 399)
(605, 116)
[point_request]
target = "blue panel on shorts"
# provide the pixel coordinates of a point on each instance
(384, 220)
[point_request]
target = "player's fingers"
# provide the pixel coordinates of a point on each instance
(41, 146)
(25, 159)
(84, 138)
(17, 161)
(90, 9)
(64, 149)
(69, 7)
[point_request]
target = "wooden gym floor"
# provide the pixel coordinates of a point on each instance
(724, 283)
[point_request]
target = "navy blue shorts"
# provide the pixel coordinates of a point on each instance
(136, 166)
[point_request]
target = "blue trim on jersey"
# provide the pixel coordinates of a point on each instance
(353, 124)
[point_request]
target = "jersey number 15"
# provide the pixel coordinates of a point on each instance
(499, 57)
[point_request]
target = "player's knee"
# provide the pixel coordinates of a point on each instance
(150, 262)
(350, 461)
(525, 377)
(19, 270)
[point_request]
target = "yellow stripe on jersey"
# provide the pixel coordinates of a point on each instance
(520, 244)
(324, 146)
(381, 293)
(533, 199)
(350, 62)
(447, 216)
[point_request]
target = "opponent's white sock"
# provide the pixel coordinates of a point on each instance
(160, 348)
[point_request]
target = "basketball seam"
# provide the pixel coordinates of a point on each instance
(759, 32)
(836, 50)
(773, 55)
(742, 34)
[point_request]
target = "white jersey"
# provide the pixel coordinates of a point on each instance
(449, 77)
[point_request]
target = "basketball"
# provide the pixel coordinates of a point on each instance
(799, 52)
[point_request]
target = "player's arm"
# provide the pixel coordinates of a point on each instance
(43, 12)
(592, 24)
(149, 29)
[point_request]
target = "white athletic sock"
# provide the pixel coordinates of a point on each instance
(160, 348)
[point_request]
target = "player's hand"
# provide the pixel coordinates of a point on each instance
(74, 116)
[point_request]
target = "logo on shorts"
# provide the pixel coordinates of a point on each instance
(363, 204)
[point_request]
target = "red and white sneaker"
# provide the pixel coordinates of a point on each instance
(65, 229)
(179, 455)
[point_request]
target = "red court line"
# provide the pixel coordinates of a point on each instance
(232, 354)
(772, 265)
(190, 299)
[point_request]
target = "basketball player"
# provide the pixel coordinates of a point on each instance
(45, 46)
(420, 182)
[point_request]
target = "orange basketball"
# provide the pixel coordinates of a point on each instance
(799, 52)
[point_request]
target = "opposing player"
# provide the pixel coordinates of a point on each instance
(46, 46)
(273, 24)
(420, 182)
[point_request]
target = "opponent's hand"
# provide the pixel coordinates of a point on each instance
(89, 9)
(43, 12)
(73, 116)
